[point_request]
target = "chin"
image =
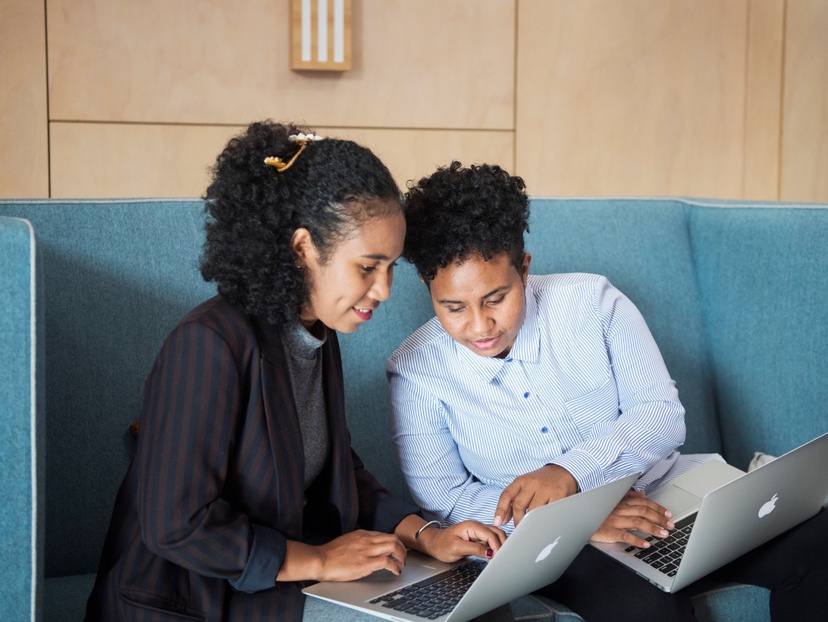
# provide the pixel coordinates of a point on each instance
(347, 329)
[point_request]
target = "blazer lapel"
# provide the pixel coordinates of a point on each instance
(343, 490)
(284, 433)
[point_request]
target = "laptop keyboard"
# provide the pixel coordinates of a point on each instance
(435, 596)
(664, 554)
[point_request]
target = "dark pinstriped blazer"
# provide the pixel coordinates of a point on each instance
(216, 486)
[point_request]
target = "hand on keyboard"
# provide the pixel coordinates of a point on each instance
(635, 513)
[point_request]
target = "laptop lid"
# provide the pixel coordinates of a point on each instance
(539, 550)
(743, 514)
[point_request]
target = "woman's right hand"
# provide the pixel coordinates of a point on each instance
(635, 513)
(346, 558)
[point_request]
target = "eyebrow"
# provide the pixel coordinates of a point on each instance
(378, 257)
(496, 290)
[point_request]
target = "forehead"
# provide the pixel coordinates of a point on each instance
(381, 237)
(473, 277)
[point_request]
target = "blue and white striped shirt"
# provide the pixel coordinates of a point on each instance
(584, 387)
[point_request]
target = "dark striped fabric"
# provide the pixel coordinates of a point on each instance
(216, 486)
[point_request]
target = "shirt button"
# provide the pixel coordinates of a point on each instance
(544, 429)
(526, 394)
(509, 360)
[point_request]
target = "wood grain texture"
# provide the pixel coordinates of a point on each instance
(804, 175)
(24, 150)
(763, 99)
(103, 160)
(124, 160)
(426, 64)
(631, 97)
(596, 97)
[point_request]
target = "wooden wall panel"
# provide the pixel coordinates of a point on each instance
(804, 174)
(126, 160)
(412, 154)
(631, 97)
(107, 160)
(24, 151)
(604, 97)
(763, 100)
(425, 64)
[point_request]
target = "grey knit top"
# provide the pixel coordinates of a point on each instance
(304, 357)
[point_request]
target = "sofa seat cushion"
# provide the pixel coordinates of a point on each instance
(733, 601)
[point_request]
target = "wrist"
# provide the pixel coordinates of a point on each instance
(303, 562)
(566, 478)
(426, 535)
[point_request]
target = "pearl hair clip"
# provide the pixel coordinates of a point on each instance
(300, 139)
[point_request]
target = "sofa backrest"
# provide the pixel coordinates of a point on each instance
(643, 248)
(734, 295)
(762, 272)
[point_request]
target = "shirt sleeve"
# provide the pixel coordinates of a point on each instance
(430, 460)
(192, 404)
(648, 423)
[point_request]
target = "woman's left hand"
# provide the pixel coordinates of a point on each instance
(461, 540)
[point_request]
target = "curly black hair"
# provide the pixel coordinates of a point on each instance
(461, 212)
(331, 189)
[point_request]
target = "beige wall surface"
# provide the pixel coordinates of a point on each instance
(24, 150)
(635, 97)
(430, 64)
(127, 160)
(716, 98)
(804, 174)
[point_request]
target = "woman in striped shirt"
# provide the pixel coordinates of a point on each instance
(525, 389)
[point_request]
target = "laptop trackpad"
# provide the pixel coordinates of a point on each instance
(678, 501)
(708, 476)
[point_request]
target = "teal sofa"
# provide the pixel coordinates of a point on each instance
(735, 294)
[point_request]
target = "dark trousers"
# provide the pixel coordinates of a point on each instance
(793, 566)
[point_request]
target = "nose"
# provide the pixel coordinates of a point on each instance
(381, 288)
(480, 322)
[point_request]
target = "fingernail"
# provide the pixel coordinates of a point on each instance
(665, 533)
(497, 521)
(489, 552)
(668, 514)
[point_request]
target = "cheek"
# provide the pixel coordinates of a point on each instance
(515, 319)
(450, 323)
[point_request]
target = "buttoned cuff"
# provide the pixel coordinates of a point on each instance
(266, 558)
(583, 467)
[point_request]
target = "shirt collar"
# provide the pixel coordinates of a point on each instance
(526, 346)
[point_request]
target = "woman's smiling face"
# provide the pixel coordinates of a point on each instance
(345, 290)
(481, 303)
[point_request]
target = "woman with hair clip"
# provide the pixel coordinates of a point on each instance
(244, 485)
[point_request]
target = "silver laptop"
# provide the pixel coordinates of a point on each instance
(539, 550)
(721, 513)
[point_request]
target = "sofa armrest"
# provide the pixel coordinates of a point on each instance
(21, 424)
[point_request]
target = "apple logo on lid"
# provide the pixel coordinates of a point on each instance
(547, 550)
(768, 506)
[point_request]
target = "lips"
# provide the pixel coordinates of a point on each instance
(486, 344)
(363, 314)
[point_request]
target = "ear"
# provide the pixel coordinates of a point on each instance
(524, 268)
(302, 245)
